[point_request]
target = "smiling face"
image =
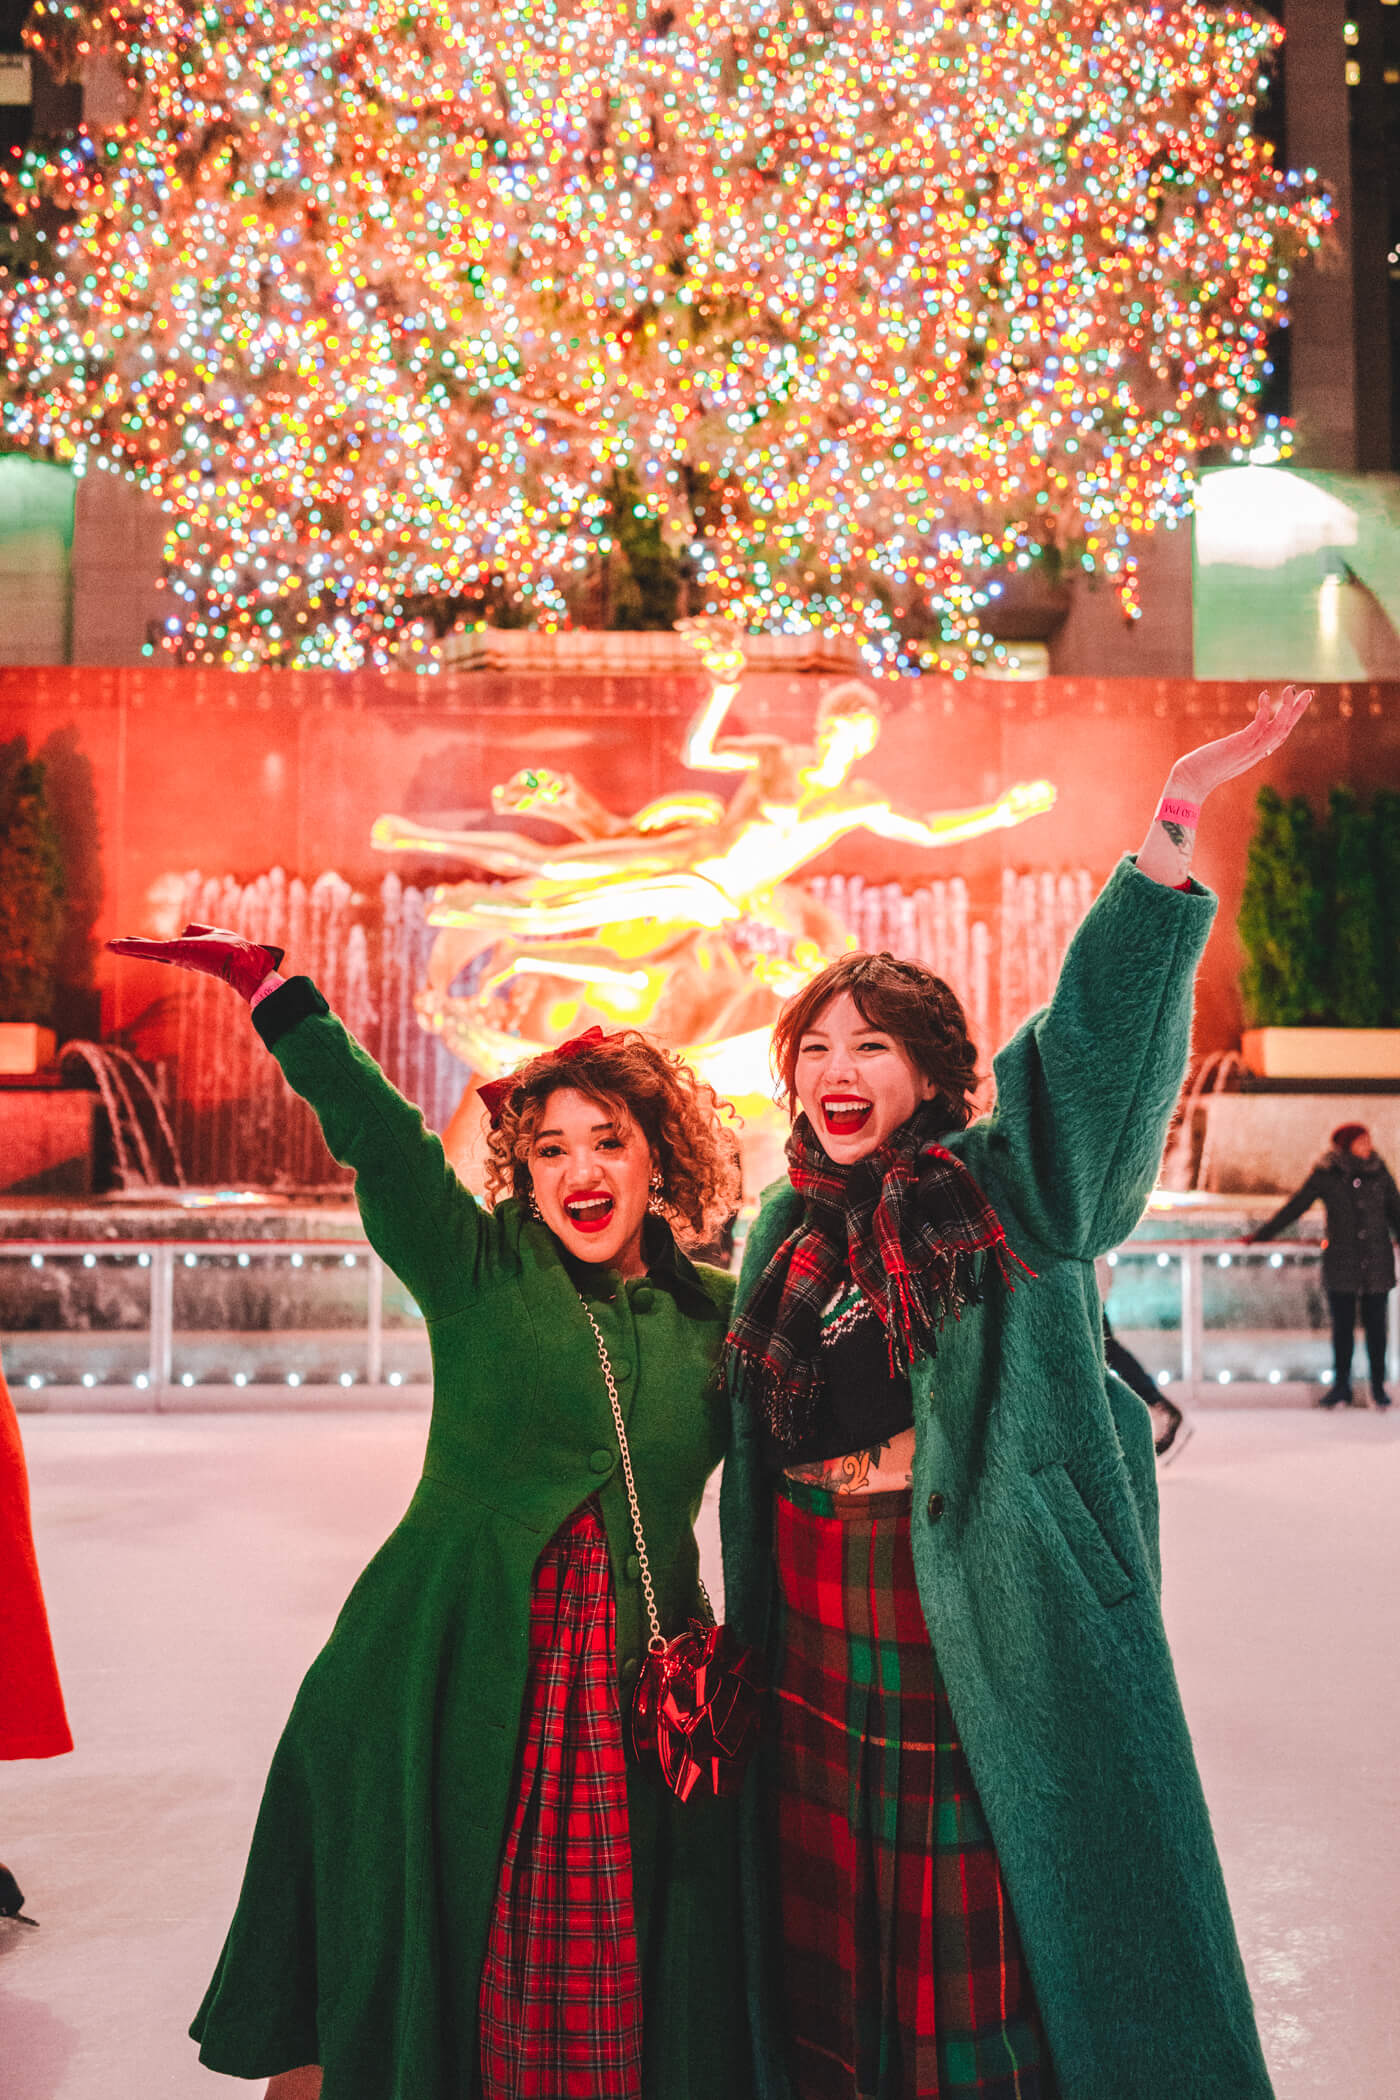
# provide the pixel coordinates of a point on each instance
(591, 1180)
(856, 1084)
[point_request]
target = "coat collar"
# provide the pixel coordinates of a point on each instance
(666, 1266)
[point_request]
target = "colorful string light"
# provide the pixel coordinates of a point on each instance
(868, 309)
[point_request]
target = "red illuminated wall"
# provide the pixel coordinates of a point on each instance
(234, 773)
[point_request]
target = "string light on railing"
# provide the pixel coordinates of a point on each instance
(351, 1261)
(143, 1261)
(1223, 1260)
(1164, 1378)
(89, 1261)
(1275, 1376)
(240, 1378)
(34, 1381)
(187, 1378)
(347, 1378)
(36, 1261)
(1224, 1377)
(141, 1381)
(1164, 1261)
(243, 1261)
(296, 1261)
(1275, 1261)
(294, 1378)
(191, 1261)
(89, 1380)
(1113, 1261)
(396, 1378)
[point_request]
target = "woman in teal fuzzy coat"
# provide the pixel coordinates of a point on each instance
(457, 1887)
(979, 1861)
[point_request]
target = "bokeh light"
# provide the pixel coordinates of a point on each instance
(867, 310)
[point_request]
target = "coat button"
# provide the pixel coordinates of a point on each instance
(622, 1372)
(643, 1298)
(628, 1668)
(935, 1507)
(634, 1568)
(602, 1460)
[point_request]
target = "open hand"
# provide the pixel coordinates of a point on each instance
(1193, 776)
(212, 951)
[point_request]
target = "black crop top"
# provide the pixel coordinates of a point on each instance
(862, 1402)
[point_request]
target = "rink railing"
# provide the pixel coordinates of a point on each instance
(116, 1335)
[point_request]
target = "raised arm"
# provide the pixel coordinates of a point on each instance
(419, 1218)
(1086, 1089)
(1166, 852)
(1302, 1199)
(947, 827)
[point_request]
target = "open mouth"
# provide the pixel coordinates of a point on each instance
(844, 1114)
(589, 1213)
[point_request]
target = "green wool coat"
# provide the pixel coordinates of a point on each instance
(1035, 1547)
(361, 1928)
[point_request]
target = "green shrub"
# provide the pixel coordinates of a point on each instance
(1320, 914)
(1281, 916)
(1385, 848)
(31, 889)
(1353, 991)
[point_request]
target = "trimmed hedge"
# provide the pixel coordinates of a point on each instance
(1320, 913)
(31, 889)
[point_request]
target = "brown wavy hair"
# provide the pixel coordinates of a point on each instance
(637, 1083)
(902, 999)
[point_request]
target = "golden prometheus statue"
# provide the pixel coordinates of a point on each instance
(682, 919)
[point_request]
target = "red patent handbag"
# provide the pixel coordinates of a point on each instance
(698, 1701)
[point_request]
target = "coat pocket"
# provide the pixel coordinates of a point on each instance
(1082, 1533)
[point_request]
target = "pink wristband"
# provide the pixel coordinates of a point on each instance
(1174, 811)
(269, 984)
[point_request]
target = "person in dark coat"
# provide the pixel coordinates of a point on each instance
(1356, 1189)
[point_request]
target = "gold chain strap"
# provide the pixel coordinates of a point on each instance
(658, 1639)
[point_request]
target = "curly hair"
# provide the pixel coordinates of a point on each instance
(903, 1000)
(637, 1083)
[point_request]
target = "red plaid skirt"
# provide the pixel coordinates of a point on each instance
(902, 1966)
(560, 2011)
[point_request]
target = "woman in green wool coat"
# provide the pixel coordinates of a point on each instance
(457, 1884)
(978, 1860)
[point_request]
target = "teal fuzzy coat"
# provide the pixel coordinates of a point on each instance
(359, 1935)
(1035, 1547)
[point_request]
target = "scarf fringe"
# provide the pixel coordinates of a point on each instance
(908, 1224)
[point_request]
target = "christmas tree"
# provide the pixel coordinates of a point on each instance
(569, 310)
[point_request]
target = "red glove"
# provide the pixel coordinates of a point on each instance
(209, 949)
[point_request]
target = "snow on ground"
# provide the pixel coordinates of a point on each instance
(194, 1565)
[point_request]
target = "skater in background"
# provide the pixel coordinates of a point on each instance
(1356, 1190)
(32, 1720)
(1170, 1429)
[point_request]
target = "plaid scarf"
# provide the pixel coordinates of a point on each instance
(910, 1224)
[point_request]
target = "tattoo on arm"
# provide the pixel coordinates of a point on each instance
(1183, 839)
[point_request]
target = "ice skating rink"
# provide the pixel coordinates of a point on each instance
(194, 1565)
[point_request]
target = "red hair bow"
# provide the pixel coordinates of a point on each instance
(497, 1092)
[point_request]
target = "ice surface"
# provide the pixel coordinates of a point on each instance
(194, 1565)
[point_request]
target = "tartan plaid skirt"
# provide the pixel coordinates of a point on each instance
(902, 1967)
(560, 2009)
